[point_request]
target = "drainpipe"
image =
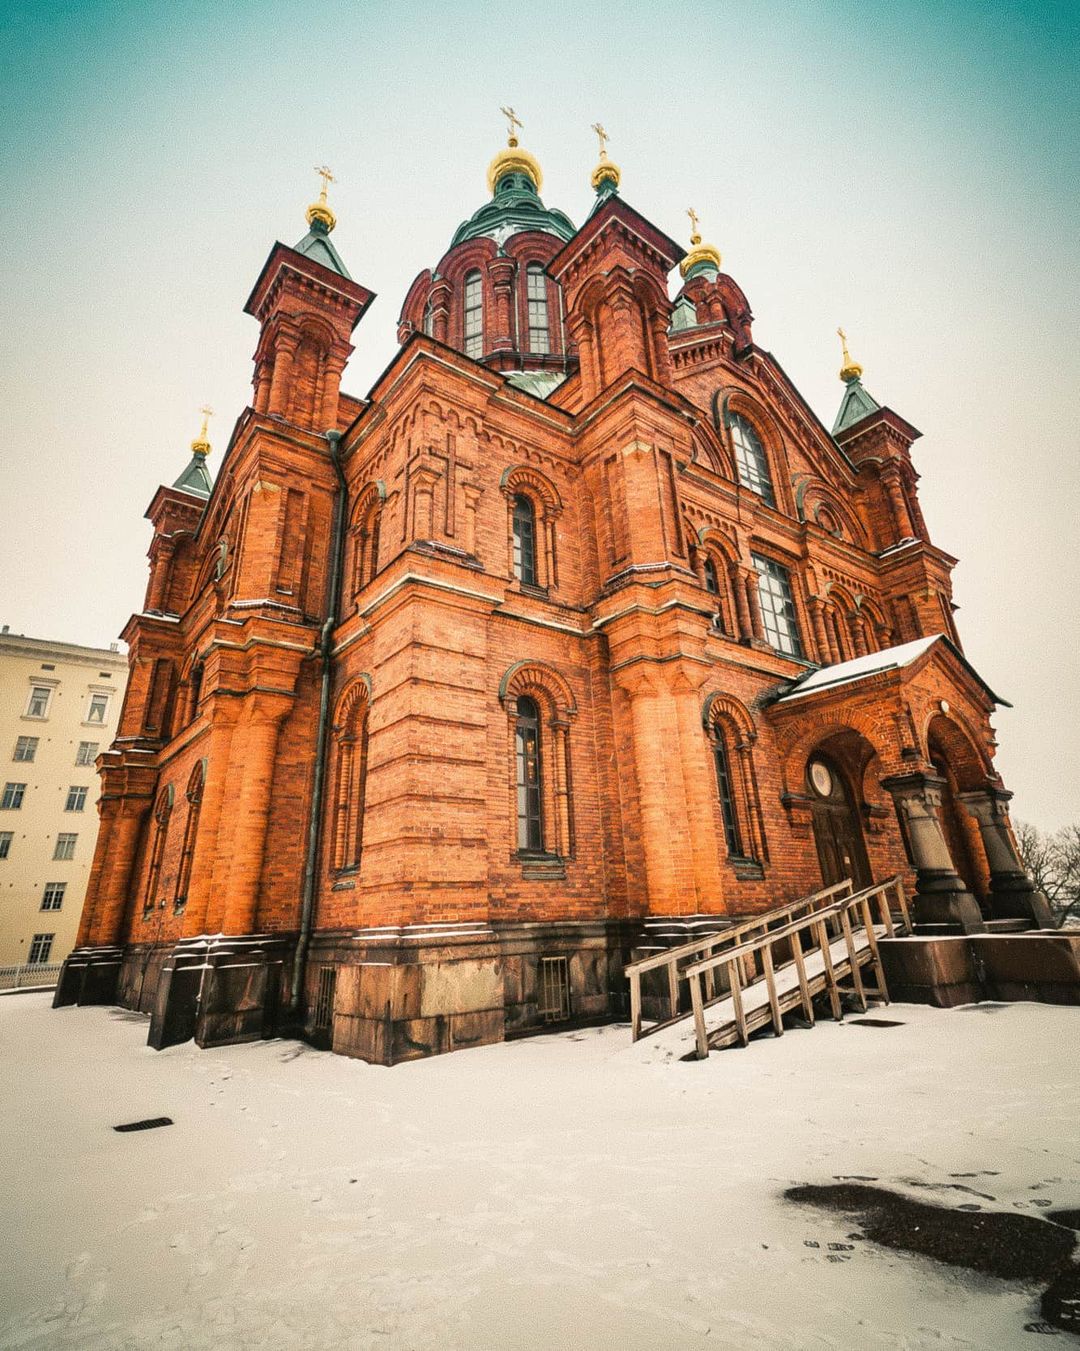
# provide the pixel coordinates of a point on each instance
(311, 862)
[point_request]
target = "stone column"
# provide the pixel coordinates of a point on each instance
(898, 500)
(284, 350)
(501, 271)
(1013, 895)
(940, 896)
(440, 311)
(753, 601)
(742, 606)
(817, 618)
(161, 552)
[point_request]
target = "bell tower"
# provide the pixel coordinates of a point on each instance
(307, 306)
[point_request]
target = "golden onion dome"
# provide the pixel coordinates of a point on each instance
(201, 444)
(850, 370)
(320, 210)
(514, 160)
(699, 252)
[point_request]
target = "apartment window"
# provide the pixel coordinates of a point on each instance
(474, 315)
(87, 752)
(750, 459)
(777, 606)
(26, 748)
(5, 843)
(99, 707)
(13, 796)
(536, 284)
(38, 707)
(65, 846)
(76, 798)
(53, 897)
(40, 947)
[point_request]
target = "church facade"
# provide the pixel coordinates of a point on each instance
(579, 631)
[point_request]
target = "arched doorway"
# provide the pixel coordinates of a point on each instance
(837, 829)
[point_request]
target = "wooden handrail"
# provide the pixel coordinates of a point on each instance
(859, 903)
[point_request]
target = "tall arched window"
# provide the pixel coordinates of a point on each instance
(724, 791)
(474, 315)
(530, 819)
(187, 853)
(750, 458)
(365, 540)
(194, 690)
(536, 286)
(712, 577)
(524, 525)
(162, 812)
(351, 787)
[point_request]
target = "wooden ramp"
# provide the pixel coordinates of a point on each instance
(750, 975)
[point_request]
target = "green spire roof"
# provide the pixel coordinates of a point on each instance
(316, 246)
(516, 206)
(196, 478)
(854, 406)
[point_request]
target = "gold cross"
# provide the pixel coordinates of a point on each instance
(514, 121)
(843, 343)
(693, 218)
(604, 138)
(326, 176)
(207, 413)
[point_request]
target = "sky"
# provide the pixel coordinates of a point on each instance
(909, 170)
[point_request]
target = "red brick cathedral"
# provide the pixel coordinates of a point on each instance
(579, 630)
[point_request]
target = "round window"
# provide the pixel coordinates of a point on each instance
(821, 779)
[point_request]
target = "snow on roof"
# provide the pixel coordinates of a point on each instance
(874, 663)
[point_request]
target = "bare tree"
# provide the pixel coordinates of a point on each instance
(1053, 861)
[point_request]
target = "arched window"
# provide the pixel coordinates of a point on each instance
(474, 315)
(777, 602)
(530, 818)
(524, 529)
(429, 316)
(724, 791)
(187, 853)
(712, 578)
(365, 538)
(750, 459)
(730, 730)
(194, 690)
(162, 812)
(351, 788)
(536, 286)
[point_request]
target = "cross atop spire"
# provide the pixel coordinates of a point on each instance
(695, 236)
(513, 122)
(201, 444)
(320, 211)
(603, 138)
(850, 370)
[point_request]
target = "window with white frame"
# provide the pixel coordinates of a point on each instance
(65, 846)
(750, 458)
(6, 837)
(40, 947)
(536, 287)
(38, 705)
(777, 606)
(26, 748)
(76, 798)
(53, 895)
(474, 315)
(99, 708)
(87, 752)
(12, 798)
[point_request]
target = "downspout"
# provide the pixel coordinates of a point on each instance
(311, 861)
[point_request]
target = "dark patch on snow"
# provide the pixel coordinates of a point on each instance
(1069, 1218)
(874, 1022)
(150, 1124)
(1060, 1303)
(1014, 1247)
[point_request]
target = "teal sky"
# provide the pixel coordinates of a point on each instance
(910, 170)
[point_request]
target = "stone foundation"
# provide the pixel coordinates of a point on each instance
(967, 968)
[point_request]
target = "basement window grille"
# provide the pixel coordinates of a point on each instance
(554, 1004)
(324, 999)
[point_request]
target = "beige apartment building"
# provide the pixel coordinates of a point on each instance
(59, 707)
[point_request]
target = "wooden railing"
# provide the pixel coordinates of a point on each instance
(676, 960)
(747, 964)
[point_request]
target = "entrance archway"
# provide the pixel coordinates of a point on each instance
(838, 835)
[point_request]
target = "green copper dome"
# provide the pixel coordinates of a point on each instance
(516, 206)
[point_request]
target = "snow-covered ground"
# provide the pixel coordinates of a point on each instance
(569, 1191)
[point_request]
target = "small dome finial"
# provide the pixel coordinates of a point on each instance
(850, 370)
(702, 257)
(201, 444)
(607, 175)
(319, 213)
(513, 160)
